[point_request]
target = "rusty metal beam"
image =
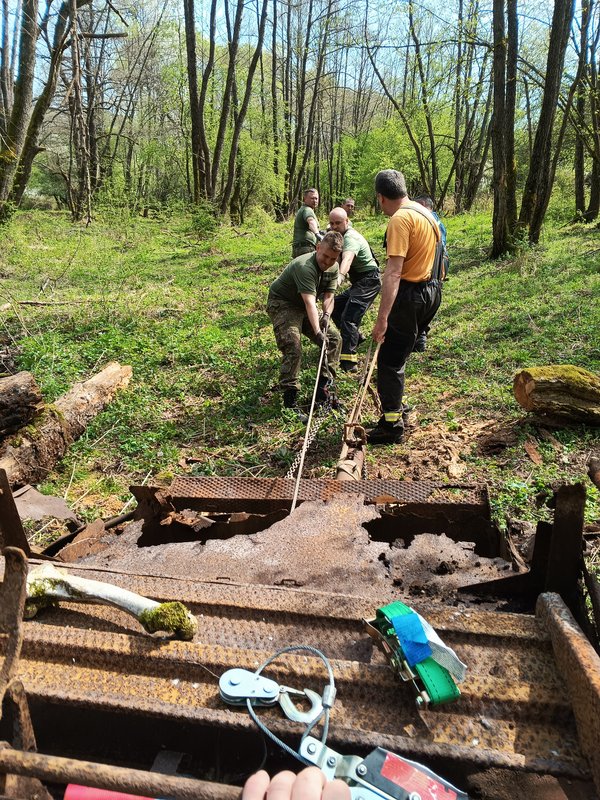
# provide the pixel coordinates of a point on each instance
(566, 546)
(579, 666)
(11, 528)
(104, 776)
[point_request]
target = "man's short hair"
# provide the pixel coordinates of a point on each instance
(391, 184)
(309, 191)
(334, 241)
(424, 200)
(348, 200)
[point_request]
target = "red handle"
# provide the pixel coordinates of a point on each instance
(75, 792)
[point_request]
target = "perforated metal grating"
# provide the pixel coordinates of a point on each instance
(268, 494)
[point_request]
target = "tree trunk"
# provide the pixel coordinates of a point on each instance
(561, 391)
(11, 143)
(42, 104)
(241, 115)
(31, 456)
(20, 400)
(500, 230)
(538, 184)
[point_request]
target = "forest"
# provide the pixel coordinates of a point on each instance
(232, 105)
(152, 158)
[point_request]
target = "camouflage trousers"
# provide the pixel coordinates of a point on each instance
(289, 323)
(300, 249)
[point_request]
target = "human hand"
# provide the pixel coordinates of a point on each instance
(379, 330)
(320, 338)
(324, 322)
(310, 784)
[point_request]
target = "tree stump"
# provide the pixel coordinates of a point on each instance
(20, 401)
(562, 391)
(34, 451)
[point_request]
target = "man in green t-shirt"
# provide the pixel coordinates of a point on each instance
(292, 307)
(306, 225)
(361, 267)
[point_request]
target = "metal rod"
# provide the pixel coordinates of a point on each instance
(105, 776)
(308, 424)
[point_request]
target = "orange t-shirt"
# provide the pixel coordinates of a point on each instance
(410, 234)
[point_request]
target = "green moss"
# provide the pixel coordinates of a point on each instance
(171, 617)
(580, 378)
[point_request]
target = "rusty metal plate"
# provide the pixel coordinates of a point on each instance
(580, 664)
(267, 494)
(515, 709)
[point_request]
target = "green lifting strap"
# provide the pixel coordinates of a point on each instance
(438, 682)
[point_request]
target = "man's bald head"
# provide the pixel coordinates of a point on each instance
(338, 220)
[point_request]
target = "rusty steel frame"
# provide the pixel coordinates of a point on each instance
(580, 664)
(514, 711)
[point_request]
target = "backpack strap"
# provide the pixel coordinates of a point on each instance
(428, 217)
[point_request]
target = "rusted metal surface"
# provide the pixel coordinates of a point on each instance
(269, 494)
(514, 711)
(566, 546)
(119, 779)
(13, 702)
(11, 529)
(13, 592)
(579, 663)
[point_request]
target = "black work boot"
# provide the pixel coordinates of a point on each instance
(420, 343)
(326, 394)
(386, 433)
(290, 400)
(348, 366)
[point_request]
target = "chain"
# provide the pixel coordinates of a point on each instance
(315, 427)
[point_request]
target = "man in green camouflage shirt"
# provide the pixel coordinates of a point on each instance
(361, 267)
(292, 307)
(306, 225)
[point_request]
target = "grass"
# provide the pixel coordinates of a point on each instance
(187, 312)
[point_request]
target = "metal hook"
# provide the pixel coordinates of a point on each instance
(291, 710)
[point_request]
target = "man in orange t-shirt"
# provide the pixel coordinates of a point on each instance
(410, 296)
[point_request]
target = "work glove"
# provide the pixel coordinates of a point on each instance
(320, 338)
(324, 322)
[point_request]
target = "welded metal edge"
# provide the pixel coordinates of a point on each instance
(580, 665)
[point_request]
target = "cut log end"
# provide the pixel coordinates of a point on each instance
(562, 391)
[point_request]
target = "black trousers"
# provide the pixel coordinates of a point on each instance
(415, 306)
(350, 307)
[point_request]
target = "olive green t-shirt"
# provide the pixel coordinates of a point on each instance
(364, 260)
(303, 276)
(302, 233)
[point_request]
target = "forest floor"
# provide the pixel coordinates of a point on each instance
(186, 308)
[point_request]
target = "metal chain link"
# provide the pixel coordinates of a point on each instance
(316, 426)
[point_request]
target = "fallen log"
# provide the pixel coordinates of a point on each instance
(20, 400)
(561, 390)
(34, 451)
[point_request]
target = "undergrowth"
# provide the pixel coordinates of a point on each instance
(186, 311)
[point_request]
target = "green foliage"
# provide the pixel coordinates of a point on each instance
(205, 220)
(187, 312)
